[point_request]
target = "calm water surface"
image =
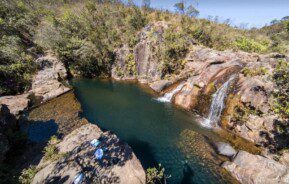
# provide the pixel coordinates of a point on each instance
(157, 132)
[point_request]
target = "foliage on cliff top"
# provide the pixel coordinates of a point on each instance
(85, 35)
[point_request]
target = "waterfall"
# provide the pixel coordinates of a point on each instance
(169, 95)
(218, 104)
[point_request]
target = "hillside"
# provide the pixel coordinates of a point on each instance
(85, 35)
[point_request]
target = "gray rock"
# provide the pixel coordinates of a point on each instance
(254, 169)
(16, 104)
(119, 164)
(225, 149)
(47, 83)
(158, 86)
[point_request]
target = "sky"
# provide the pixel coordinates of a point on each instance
(254, 13)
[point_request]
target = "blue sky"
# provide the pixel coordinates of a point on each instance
(255, 13)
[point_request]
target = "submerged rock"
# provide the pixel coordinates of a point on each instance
(255, 169)
(225, 149)
(118, 165)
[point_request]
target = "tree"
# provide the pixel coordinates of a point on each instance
(275, 21)
(287, 26)
(285, 18)
(130, 3)
(192, 11)
(180, 7)
(146, 4)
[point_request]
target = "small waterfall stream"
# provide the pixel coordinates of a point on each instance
(218, 104)
(169, 95)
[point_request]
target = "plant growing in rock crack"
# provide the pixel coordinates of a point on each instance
(155, 175)
(50, 151)
(28, 174)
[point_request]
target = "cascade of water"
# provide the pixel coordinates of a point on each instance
(218, 103)
(169, 95)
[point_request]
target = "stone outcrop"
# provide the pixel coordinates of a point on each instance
(17, 103)
(118, 165)
(249, 111)
(255, 169)
(146, 64)
(48, 83)
(8, 125)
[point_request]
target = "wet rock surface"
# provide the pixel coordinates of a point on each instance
(225, 149)
(118, 165)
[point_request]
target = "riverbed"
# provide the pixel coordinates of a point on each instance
(159, 133)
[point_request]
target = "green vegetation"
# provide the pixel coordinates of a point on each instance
(281, 78)
(27, 175)
(155, 175)
(85, 35)
(50, 151)
(251, 72)
(17, 23)
(249, 45)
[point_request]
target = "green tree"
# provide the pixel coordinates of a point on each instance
(191, 11)
(180, 7)
(146, 4)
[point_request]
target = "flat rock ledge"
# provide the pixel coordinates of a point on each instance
(254, 169)
(118, 165)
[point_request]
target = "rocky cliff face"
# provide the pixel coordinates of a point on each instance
(142, 64)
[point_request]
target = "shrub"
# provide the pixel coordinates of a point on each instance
(249, 45)
(155, 175)
(281, 78)
(51, 151)
(173, 50)
(130, 64)
(251, 72)
(27, 175)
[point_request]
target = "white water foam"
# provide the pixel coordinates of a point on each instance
(218, 104)
(169, 95)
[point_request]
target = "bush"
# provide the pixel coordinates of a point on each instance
(155, 175)
(281, 78)
(27, 175)
(51, 151)
(173, 50)
(249, 45)
(251, 72)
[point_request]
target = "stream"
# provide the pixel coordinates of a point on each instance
(159, 133)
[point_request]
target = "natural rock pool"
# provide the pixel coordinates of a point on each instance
(157, 132)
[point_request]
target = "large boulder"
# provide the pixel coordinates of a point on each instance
(118, 165)
(254, 169)
(16, 104)
(47, 83)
